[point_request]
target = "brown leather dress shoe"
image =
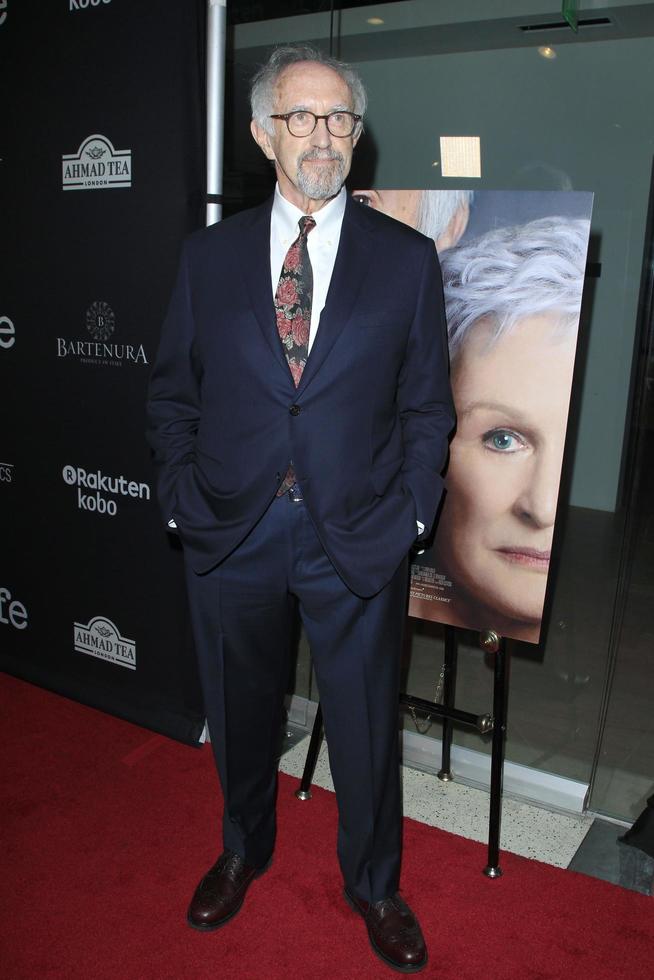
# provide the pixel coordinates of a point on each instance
(221, 892)
(394, 932)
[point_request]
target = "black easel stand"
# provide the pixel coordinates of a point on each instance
(304, 792)
(492, 643)
(495, 644)
(450, 660)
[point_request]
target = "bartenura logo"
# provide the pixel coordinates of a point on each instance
(96, 166)
(100, 638)
(6, 472)
(7, 333)
(101, 323)
(12, 612)
(93, 486)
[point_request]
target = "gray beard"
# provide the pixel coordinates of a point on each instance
(321, 183)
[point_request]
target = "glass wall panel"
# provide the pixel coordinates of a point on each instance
(623, 780)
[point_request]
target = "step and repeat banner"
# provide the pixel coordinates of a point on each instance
(101, 176)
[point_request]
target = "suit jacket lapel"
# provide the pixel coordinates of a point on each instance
(255, 262)
(352, 263)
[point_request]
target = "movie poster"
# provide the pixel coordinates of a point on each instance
(513, 272)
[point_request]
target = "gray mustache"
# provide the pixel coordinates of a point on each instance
(324, 155)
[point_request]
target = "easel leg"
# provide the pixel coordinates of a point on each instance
(304, 791)
(449, 691)
(492, 869)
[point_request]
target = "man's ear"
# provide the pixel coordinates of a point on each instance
(261, 137)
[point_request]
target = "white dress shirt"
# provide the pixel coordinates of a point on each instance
(322, 242)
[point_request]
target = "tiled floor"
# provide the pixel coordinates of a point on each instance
(528, 830)
(603, 855)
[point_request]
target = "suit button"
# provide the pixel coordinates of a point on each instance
(295, 409)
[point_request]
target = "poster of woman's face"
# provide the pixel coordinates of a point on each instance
(512, 296)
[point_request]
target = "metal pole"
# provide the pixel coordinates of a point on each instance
(493, 643)
(483, 723)
(216, 31)
(304, 791)
(449, 690)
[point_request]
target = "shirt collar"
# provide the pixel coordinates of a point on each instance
(328, 219)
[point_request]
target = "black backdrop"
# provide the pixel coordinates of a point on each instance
(91, 587)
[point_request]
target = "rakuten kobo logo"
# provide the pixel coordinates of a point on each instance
(84, 4)
(93, 486)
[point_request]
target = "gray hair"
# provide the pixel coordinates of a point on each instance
(512, 273)
(437, 208)
(262, 87)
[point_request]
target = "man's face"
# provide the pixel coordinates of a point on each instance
(310, 169)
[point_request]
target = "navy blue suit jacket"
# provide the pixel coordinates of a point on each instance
(367, 428)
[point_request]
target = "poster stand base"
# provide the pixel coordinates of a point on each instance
(492, 643)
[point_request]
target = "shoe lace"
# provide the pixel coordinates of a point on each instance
(230, 864)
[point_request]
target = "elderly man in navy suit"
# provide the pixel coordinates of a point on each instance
(299, 413)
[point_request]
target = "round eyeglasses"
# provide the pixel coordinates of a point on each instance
(302, 123)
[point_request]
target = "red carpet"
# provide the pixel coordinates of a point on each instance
(108, 827)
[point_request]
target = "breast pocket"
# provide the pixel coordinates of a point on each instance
(382, 319)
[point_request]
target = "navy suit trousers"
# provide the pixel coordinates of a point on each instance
(243, 614)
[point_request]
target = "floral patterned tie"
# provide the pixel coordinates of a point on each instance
(293, 308)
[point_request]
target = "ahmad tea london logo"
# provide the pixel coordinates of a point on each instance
(100, 638)
(96, 165)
